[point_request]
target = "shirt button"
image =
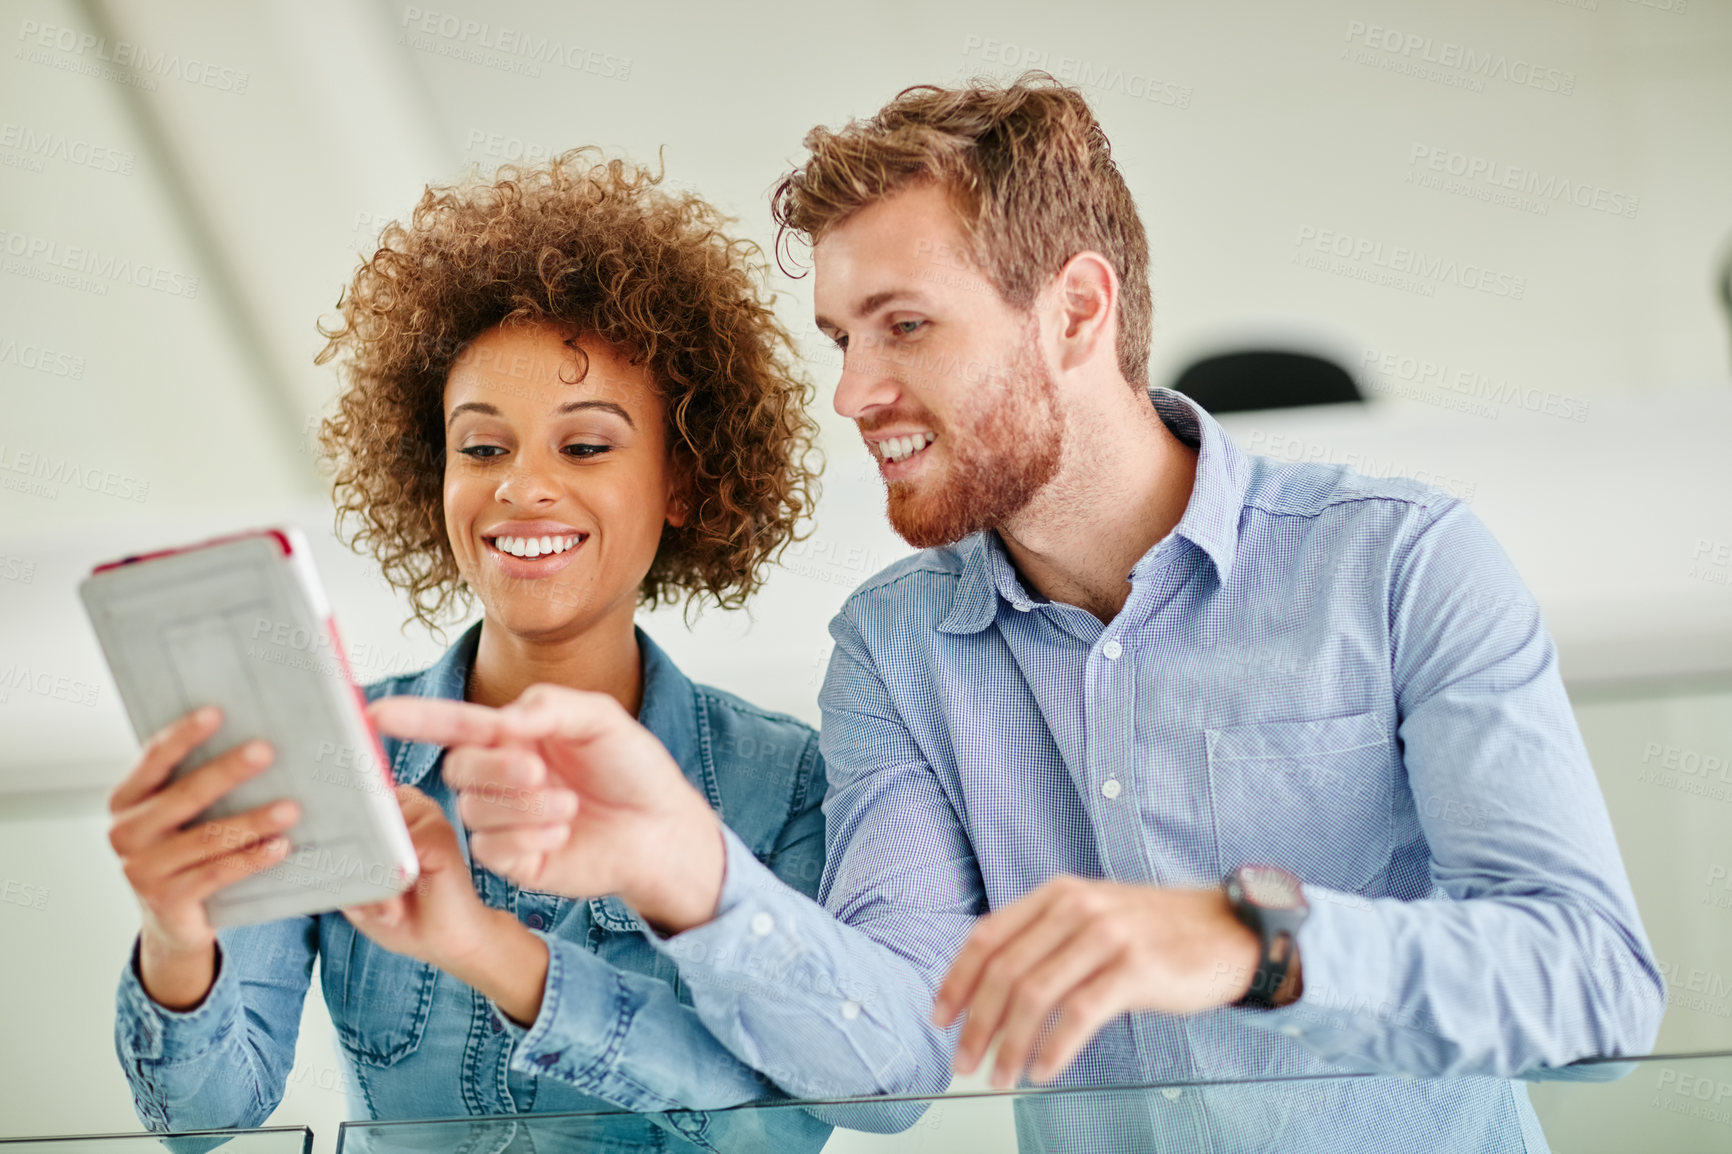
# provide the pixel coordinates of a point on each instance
(536, 921)
(1290, 1031)
(497, 1024)
(1110, 789)
(762, 924)
(1172, 1093)
(850, 1009)
(1112, 649)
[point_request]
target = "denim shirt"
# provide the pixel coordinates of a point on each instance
(615, 1029)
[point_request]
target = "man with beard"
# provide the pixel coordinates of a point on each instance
(1161, 763)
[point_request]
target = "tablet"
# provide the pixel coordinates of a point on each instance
(241, 622)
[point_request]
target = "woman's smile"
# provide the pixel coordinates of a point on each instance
(532, 549)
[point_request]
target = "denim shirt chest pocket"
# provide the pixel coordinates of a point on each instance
(380, 1000)
(1313, 797)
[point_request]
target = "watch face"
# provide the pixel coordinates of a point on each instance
(1270, 887)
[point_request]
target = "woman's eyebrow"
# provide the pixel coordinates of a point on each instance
(605, 406)
(471, 406)
(568, 407)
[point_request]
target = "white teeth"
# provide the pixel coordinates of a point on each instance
(534, 546)
(901, 448)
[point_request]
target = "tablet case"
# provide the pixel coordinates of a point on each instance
(241, 622)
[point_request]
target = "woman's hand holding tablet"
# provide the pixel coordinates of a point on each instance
(173, 867)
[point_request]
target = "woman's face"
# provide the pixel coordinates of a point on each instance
(556, 488)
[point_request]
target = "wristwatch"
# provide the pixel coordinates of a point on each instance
(1271, 904)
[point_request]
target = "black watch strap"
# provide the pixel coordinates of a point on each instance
(1269, 903)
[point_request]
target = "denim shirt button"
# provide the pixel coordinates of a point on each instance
(536, 921)
(496, 1024)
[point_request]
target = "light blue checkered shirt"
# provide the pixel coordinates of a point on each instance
(1338, 675)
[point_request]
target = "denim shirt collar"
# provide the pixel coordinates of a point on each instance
(1211, 520)
(668, 709)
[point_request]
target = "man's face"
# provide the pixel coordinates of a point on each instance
(946, 381)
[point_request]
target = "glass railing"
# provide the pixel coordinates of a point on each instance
(267, 1140)
(1663, 1103)
(1679, 1104)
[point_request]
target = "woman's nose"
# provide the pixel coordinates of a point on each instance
(527, 482)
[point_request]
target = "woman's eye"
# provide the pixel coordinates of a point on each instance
(481, 452)
(582, 451)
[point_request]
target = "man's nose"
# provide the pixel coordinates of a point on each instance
(868, 382)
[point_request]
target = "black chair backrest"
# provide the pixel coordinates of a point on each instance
(1266, 379)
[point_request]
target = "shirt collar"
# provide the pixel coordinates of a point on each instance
(1211, 520)
(667, 710)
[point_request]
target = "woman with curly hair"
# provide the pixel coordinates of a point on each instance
(566, 396)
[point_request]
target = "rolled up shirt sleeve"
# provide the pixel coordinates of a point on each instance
(836, 999)
(626, 1038)
(1538, 957)
(223, 1063)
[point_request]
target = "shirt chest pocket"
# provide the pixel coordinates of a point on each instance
(1313, 797)
(382, 1000)
(617, 936)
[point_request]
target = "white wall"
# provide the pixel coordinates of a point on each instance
(1272, 125)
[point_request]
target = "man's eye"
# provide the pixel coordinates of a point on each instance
(906, 328)
(481, 452)
(584, 451)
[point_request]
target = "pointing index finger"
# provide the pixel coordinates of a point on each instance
(436, 720)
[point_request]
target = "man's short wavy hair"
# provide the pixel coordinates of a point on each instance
(1027, 168)
(595, 246)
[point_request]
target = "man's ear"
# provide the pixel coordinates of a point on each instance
(1086, 294)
